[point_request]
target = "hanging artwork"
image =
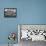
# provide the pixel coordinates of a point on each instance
(11, 37)
(10, 12)
(32, 32)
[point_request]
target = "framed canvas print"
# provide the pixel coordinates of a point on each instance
(10, 12)
(33, 32)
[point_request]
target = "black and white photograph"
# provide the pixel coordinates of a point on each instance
(10, 12)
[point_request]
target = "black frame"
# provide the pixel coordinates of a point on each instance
(10, 15)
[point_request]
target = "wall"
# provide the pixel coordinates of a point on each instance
(28, 12)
